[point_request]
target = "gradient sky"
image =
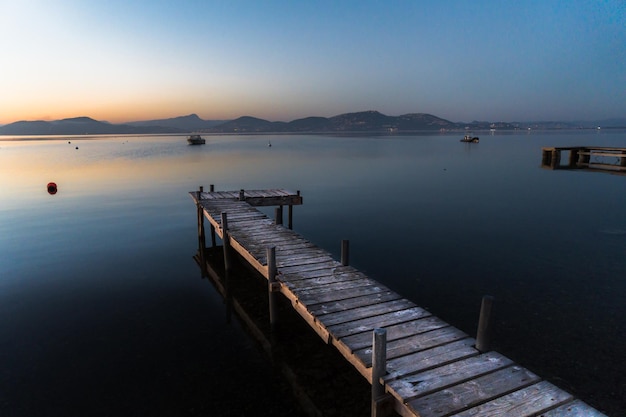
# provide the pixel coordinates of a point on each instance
(128, 60)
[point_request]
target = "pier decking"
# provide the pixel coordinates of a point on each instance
(430, 368)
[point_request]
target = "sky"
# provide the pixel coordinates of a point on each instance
(130, 60)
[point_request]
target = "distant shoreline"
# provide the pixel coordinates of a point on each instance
(96, 136)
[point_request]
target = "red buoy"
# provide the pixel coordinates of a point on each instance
(52, 188)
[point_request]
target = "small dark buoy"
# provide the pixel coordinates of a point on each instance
(69, 141)
(52, 188)
(77, 147)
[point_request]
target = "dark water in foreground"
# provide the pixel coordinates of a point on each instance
(102, 311)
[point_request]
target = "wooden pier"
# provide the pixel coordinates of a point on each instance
(598, 159)
(417, 364)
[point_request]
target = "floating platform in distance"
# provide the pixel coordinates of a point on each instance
(586, 158)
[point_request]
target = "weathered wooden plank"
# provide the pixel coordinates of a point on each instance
(354, 302)
(275, 201)
(306, 284)
(397, 331)
(338, 270)
(343, 294)
(297, 243)
(420, 384)
(310, 267)
(415, 343)
(292, 262)
(248, 219)
(334, 287)
(468, 394)
(365, 311)
(297, 248)
(273, 193)
(253, 193)
(602, 153)
(370, 323)
(269, 238)
(266, 239)
(525, 402)
(575, 408)
(430, 358)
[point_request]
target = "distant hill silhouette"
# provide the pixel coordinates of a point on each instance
(78, 126)
(365, 121)
(189, 123)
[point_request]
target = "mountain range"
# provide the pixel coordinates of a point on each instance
(365, 121)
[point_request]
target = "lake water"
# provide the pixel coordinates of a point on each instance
(102, 311)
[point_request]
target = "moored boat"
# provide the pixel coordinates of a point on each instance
(196, 140)
(470, 138)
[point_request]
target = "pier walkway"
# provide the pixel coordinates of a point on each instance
(430, 368)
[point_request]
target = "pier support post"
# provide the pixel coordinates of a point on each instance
(546, 157)
(278, 214)
(290, 217)
(213, 241)
(483, 335)
(573, 158)
(345, 252)
(584, 157)
(379, 369)
(201, 234)
(241, 195)
(226, 243)
(271, 284)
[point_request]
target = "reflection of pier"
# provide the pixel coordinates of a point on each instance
(417, 364)
(600, 159)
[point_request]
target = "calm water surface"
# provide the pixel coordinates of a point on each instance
(102, 311)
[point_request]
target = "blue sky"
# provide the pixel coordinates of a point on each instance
(281, 60)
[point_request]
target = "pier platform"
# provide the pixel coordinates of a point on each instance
(417, 364)
(597, 159)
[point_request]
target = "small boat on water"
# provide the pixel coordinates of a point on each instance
(196, 140)
(470, 139)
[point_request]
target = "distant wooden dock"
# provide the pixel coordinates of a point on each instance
(598, 159)
(417, 364)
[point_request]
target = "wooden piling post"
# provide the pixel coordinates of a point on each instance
(271, 283)
(379, 369)
(290, 217)
(546, 157)
(584, 157)
(556, 159)
(278, 215)
(290, 214)
(213, 241)
(226, 243)
(201, 234)
(483, 335)
(345, 252)
(201, 237)
(241, 195)
(573, 158)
